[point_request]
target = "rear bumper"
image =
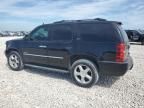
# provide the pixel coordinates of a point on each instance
(114, 68)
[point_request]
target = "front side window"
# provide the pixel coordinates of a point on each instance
(40, 34)
(62, 33)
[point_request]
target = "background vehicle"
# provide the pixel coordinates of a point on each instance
(85, 48)
(135, 36)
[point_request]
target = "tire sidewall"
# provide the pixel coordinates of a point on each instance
(20, 66)
(95, 75)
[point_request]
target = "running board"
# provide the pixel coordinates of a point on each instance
(47, 68)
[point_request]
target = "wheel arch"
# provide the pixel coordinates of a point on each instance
(10, 50)
(91, 58)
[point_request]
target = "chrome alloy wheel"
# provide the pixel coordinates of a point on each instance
(14, 61)
(83, 74)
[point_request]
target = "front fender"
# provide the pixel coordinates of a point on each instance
(12, 46)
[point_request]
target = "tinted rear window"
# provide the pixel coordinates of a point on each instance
(97, 32)
(123, 33)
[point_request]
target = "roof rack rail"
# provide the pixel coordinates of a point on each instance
(96, 19)
(65, 21)
(100, 19)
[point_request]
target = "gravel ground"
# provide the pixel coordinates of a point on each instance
(32, 88)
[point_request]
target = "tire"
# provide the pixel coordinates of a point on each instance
(15, 61)
(84, 73)
(142, 42)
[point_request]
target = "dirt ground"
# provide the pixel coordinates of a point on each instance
(33, 88)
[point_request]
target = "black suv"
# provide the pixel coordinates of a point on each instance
(135, 36)
(85, 48)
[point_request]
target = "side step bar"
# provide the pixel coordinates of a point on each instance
(47, 68)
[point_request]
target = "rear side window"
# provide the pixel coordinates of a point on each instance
(97, 32)
(62, 32)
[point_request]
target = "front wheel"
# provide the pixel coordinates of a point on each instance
(15, 61)
(84, 73)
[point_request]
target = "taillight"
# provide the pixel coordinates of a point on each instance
(120, 53)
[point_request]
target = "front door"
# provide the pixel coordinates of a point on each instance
(35, 46)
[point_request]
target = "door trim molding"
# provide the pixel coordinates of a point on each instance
(27, 54)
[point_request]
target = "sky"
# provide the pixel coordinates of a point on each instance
(27, 14)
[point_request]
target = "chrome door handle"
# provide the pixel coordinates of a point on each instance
(42, 46)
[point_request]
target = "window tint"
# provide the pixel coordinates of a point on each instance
(62, 33)
(97, 32)
(123, 33)
(40, 33)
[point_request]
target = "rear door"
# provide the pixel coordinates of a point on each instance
(35, 46)
(60, 46)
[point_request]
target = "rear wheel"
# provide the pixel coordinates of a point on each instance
(84, 73)
(15, 61)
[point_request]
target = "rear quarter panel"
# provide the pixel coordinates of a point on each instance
(102, 51)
